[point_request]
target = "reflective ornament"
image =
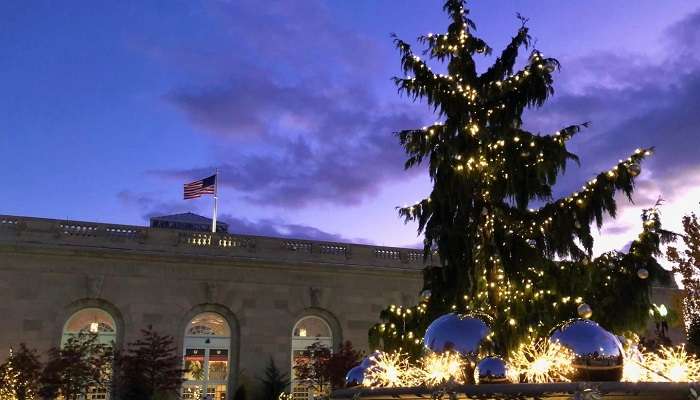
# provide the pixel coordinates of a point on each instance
(577, 225)
(585, 261)
(371, 359)
(355, 376)
(425, 295)
(549, 67)
(634, 169)
(491, 370)
(642, 273)
(584, 310)
(462, 333)
(598, 354)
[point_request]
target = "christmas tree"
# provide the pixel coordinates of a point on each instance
(527, 268)
(9, 377)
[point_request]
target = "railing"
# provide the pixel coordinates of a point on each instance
(6, 222)
(214, 240)
(80, 229)
(298, 246)
(164, 241)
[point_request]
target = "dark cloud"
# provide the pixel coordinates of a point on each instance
(273, 227)
(648, 103)
(280, 228)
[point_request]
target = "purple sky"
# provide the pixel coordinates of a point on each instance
(107, 108)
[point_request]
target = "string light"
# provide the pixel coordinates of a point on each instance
(541, 361)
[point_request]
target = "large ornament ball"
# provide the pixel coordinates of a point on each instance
(584, 310)
(642, 273)
(371, 360)
(491, 370)
(355, 376)
(462, 333)
(598, 354)
(425, 295)
(634, 169)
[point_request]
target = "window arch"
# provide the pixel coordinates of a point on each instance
(206, 356)
(307, 331)
(94, 320)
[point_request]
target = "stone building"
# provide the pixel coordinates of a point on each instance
(231, 301)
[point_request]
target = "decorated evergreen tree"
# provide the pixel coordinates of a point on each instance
(528, 268)
(9, 377)
(19, 375)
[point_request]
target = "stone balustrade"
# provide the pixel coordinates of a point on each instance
(16, 230)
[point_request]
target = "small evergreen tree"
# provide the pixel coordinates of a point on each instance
(19, 375)
(275, 382)
(8, 379)
(81, 365)
(149, 368)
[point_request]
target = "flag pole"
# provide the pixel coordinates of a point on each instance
(216, 200)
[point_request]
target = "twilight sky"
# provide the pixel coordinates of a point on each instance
(107, 108)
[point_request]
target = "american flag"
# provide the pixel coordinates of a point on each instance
(198, 188)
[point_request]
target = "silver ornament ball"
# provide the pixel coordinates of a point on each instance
(634, 169)
(584, 310)
(491, 370)
(425, 295)
(598, 354)
(642, 273)
(462, 333)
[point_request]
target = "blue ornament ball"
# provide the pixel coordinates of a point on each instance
(462, 333)
(491, 370)
(371, 359)
(598, 354)
(355, 376)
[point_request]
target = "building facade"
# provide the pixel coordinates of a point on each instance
(232, 302)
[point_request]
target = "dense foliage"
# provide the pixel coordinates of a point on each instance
(81, 365)
(149, 368)
(322, 369)
(687, 264)
(527, 268)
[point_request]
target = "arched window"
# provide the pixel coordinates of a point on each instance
(306, 332)
(99, 322)
(206, 356)
(94, 320)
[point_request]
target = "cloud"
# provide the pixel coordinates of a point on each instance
(151, 206)
(651, 103)
(280, 228)
(319, 137)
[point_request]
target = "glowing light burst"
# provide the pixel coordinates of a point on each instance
(437, 369)
(634, 367)
(675, 364)
(391, 370)
(541, 361)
